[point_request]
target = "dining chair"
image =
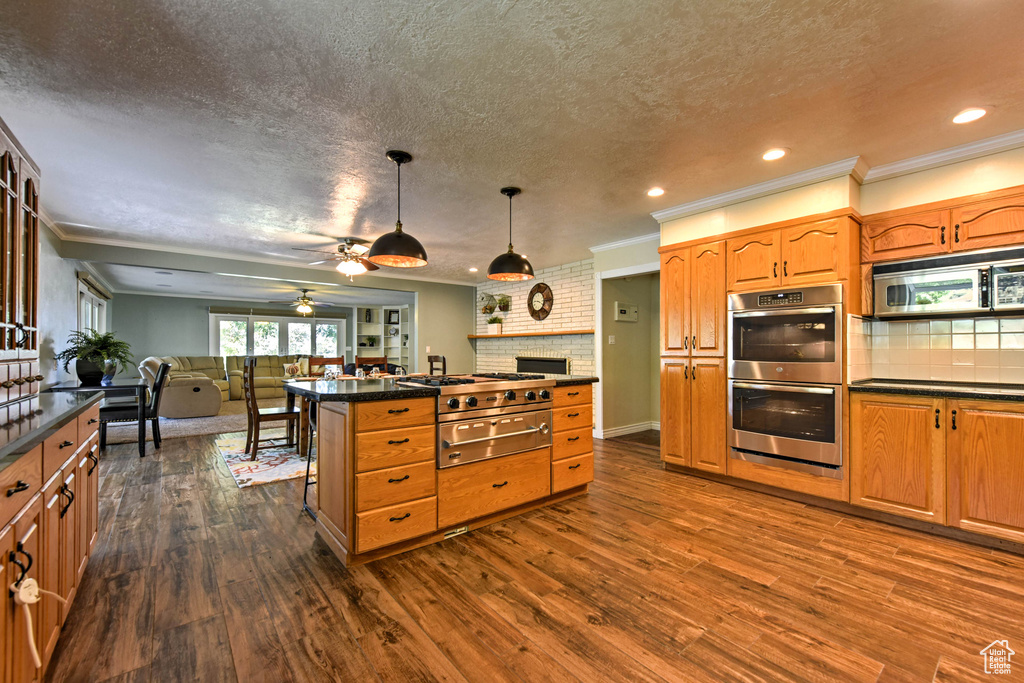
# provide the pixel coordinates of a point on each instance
(257, 416)
(434, 360)
(320, 361)
(380, 361)
(128, 411)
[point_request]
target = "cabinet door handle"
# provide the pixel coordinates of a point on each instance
(572, 467)
(392, 442)
(693, 374)
(13, 557)
(775, 269)
(399, 519)
(954, 420)
(785, 269)
(693, 344)
(498, 486)
(686, 342)
(395, 481)
(392, 411)
(956, 233)
(686, 372)
(573, 438)
(65, 444)
(18, 488)
(70, 495)
(92, 421)
(95, 463)
(942, 235)
(573, 415)
(937, 411)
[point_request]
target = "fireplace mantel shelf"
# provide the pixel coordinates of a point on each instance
(547, 333)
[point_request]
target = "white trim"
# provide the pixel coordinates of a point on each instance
(854, 166)
(642, 239)
(613, 432)
(642, 269)
(598, 396)
(972, 150)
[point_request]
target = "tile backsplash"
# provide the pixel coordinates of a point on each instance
(964, 350)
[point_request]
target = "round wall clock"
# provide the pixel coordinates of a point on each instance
(539, 301)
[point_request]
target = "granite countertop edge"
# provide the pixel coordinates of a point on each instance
(1010, 392)
(53, 420)
(364, 394)
(575, 381)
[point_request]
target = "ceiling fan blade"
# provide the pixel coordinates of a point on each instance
(359, 249)
(318, 251)
(370, 265)
(320, 303)
(320, 263)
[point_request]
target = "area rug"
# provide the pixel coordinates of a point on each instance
(231, 418)
(273, 463)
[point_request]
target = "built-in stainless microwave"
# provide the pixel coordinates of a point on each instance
(979, 282)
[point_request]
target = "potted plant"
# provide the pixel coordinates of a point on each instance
(494, 325)
(504, 302)
(97, 356)
(371, 341)
(488, 302)
(405, 340)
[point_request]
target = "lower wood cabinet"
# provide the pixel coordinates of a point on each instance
(693, 413)
(897, 455)
(26, 542)
(389, 525)
(476, 489)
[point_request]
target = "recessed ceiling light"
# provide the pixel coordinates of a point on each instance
(774, 153)
(655, 192)
(163, 272)
(968, 115)
(473, 270)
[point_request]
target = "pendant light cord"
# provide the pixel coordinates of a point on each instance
(510, 223)
(399, 193)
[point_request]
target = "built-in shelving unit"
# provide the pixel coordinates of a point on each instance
(390, 328)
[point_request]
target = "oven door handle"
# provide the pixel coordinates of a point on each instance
(783, 311)
(543, 429)
(786, 388)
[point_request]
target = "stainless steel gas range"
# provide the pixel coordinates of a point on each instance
(489, 415)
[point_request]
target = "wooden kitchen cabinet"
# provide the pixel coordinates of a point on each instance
(8, 573)
(890, 238)
(675, 411)
(675, 301)
(817, 252)
(987, 224)
(19, 250)
(693, 300)
(985, 467)
(754, 261)
(27, 546)
(897, 455)
(480, 488)
(693, 413)
(572, 437)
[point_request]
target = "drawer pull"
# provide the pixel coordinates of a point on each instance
(573, 393)
(65, 444)
(573, 438)
(399, 519)
(498, 486)
(392, 411)
(70, 495)
(7, 384)
(395, 481)
(572, 467)
(392, 442)
(18, 488)
(20, 381)
(38, 378)
(573, 415)
(93, 420)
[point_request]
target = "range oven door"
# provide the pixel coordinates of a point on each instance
(787, 344)
(491, 437)
(796, 421)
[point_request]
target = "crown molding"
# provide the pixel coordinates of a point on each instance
(972, 150)
(48, 221)
(642, 239)
(854, 166)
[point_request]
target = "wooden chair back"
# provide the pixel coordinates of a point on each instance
(249, 388)
(319, 361)
(435, 360)
(157, 392)
(379, 361)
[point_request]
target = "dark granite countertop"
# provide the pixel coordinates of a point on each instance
(969, 390)
(44, 415)
(352, 390)
(571, 380)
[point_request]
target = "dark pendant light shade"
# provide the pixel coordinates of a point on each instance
(510, 266)
(398, 249)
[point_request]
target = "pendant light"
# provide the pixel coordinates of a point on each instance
(397, 249)
(510, 266)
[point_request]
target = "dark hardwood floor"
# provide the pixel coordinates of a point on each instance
(653, 576)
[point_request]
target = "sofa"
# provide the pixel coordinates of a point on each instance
(205, 366)
(269, 375)
(185, 395)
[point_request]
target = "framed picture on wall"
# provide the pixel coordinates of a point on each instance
(392, 317)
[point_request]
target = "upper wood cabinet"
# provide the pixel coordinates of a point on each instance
(985, 467)
(900, 237)
(675, 302)
(753, 261)
(816, 252)
(987, 224)
(19, 252)
(707, 300)
(897, 455)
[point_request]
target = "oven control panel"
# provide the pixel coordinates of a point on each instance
(780, 299)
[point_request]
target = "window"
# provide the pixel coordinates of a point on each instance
(300, 339)
(240, 335)
(327, 339)
(92, 314)
(265, 338)
(234, 337)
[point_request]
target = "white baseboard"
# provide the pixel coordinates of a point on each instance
(627, 429)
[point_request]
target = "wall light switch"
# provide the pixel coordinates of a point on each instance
(428, 349)
(611, 338)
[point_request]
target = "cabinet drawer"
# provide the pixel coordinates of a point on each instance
(390, 414)
(391, 448)
(469, 491)
(59, 447)
(572, 417)
(385, 526)
(571, 396)
(395, 485)
(572, 472)
(575, 442)
(27, 475)
(88, 422)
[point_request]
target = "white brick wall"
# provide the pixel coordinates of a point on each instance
(572, 285)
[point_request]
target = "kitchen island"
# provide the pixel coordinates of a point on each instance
(383, 486)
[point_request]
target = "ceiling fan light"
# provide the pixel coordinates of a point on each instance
(304, 308)
(350, 267)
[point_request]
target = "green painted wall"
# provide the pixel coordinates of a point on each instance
(629, 380)
(58, 305)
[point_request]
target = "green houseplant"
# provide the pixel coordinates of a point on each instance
(494, 325)
(98, 355)
(504, 302)
(371, 340)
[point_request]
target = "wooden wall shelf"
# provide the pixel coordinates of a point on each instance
(552, 333)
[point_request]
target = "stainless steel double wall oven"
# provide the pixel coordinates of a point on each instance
(785, 378)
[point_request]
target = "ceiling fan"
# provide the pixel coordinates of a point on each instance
(303, 304)
(349, 256)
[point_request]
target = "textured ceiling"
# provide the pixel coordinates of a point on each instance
(251, 127)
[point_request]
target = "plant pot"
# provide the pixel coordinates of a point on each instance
(90, 373)
(494, 328)
(504, 307)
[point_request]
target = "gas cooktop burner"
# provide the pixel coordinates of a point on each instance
(508, 376)
(438, 381)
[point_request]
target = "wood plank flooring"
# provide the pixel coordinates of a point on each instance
(653, 576)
